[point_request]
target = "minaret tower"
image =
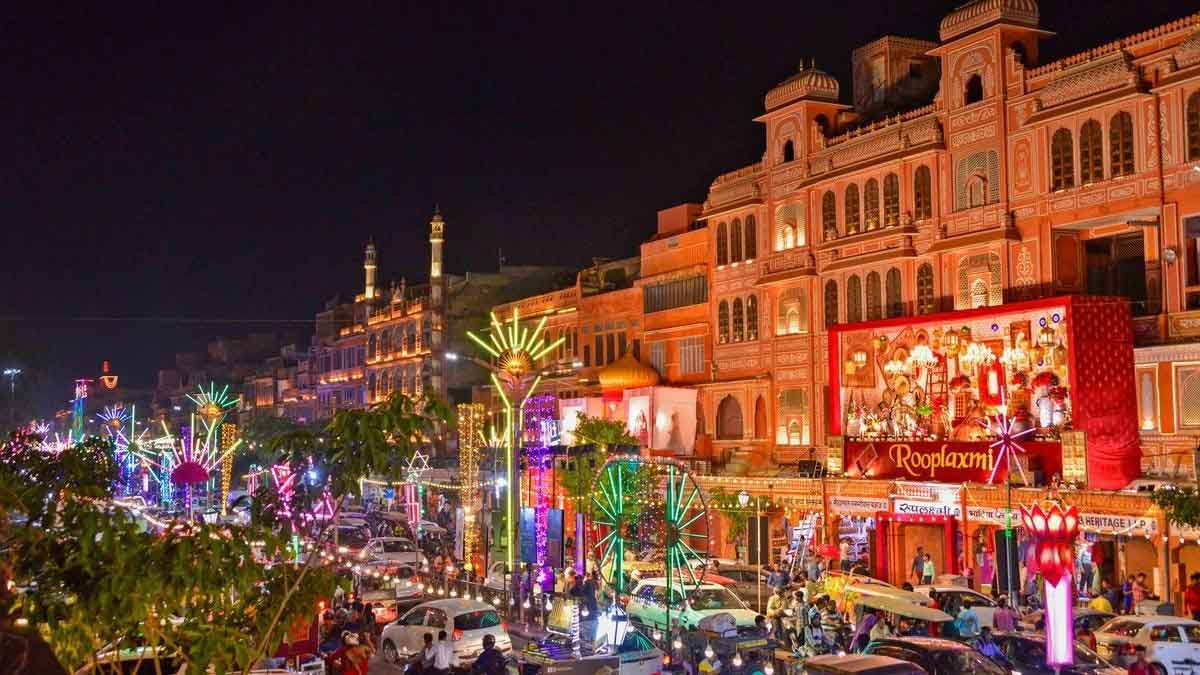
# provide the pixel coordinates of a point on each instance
(437, 300)
(369, 270)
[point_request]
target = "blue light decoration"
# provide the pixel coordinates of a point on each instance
(540, 417)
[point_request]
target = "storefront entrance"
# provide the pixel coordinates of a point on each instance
(898, 537)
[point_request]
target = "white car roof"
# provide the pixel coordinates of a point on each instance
(1157, 619)
(457, 605)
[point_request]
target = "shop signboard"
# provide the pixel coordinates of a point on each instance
(913, 507)
(857, 505)
(1108, 523)
(941, 461)
(992, 515)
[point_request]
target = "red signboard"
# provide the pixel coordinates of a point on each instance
(943, 461)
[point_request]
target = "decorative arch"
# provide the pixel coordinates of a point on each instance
(793, 312)
(973, 90)
(922, 193)
(1062, 161)
(790, 231)
(735, 241)
(983, 268)
(1091, 153)
(852, 216)
(729, 419)
(979, 172)
(1120, 144)
(789, 151)
(722, 244)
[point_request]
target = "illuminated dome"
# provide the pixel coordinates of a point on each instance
(809, 82)
(627, 373)
(979, 13)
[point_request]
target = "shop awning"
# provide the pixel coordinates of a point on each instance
(902, 608)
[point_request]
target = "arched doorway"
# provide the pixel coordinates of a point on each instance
(729, 419)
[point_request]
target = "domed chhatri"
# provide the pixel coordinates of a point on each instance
(979, 13)
(809, 82)
(627, 373)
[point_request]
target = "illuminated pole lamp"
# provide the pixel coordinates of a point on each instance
(515, 351)
(1054, 530)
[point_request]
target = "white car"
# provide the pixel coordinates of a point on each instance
(393, 549)
(648, 604)
(1172, 643)
(952, 598)
(465, 622)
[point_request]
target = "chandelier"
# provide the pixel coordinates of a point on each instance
(922, 357)
(896, 367)
(1015, 356)
(977, 355)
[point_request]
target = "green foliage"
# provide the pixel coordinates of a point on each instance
(602, 433)
(738, 517)
(1181, 504)
(213, 595)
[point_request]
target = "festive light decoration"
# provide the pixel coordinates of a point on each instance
(470, 440)
(1007, 435)
(414, 474)
(229, 438)
(114, 418)
(78, 407)
(514, 351)
(1054, 530)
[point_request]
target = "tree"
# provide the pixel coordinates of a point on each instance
(738, 516)
(1181, 504)
(217, 596)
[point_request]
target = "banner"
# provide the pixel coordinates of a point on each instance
(1107, 523)
(920, 508)
(528, 537)
(857, 505)
(944, 461)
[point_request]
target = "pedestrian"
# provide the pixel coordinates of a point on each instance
(775, 609)
(1127, 594)
(927, 570)
(918, 566)
(862, 634)
(427, 653)
(814, 568)
(1101, 603)
(1140, 590)
(444, 657)
(988, 647)
(1191, 597)
(352, 658)
(1140, 665)
(967, 621)
(844, 555)
(491, 661)
(1005, 618)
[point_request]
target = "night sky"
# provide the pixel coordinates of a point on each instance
(230, 162)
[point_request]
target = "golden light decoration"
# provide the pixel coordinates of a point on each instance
(950, 340)
(470, 439)
(229, 438)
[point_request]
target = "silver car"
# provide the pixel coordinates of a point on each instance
(465, 622)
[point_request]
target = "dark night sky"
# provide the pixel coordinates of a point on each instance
(232, 161)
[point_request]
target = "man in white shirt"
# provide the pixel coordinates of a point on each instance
(444, 657)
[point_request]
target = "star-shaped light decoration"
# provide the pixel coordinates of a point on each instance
(1006, 441)
(416, 467)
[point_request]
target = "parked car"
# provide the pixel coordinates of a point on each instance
(950, 600)
(648, 604)
(1085, 617)
(744, 580)
(394, 549)
(936, 656)
(858, 664)
(350, 540)
(1026, 653)
(1172, 643)
(465, 622)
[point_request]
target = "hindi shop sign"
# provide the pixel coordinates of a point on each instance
(944, 461)
(857, 505)
(920, 508)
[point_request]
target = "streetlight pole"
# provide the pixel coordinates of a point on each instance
(12, 374)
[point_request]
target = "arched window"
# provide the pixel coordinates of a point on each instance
(426, 334)
(891, 200)
(925, 302)
(385, 382)
(371, 388)
(829, 214)
(974, 90)
(852, 215)
(895, 299)
(831, 303)
(793, 320)
(789, 236)
(854, 299)
(372, 343)
(789, 151)
(385, 342)
(723, 322)
(751, 318)
(722, 244)
(1091, 153)
(1193, 126)
(976, 190)
(871, 207)
(792, 310)
(397, 338)
(1120, 145)
(729, 419)
(751, 239)
(874, 297)
(1062, 164)
(398, 381)
(411, 340)
(735, 241)
(739, 321)
(922, 193)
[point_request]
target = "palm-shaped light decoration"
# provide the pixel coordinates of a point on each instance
(514, 352)
(1007, 434)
